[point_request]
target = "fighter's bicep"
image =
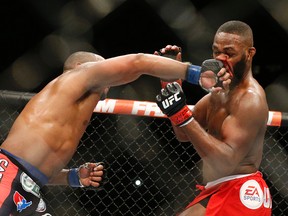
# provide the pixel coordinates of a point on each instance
(245, 121)
(200, 111)
(240, 132)
(113, 72)
(235, 132)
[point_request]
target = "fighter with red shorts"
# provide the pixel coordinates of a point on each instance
(226, 127)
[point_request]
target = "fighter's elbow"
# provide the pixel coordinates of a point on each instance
(139, 62)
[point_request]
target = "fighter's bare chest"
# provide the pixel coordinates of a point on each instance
(218, 111)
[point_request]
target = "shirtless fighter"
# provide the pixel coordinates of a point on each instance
(46, 133)
(227, 130)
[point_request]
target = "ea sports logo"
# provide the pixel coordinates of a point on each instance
(251, 194)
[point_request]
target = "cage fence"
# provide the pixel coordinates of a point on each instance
(148, 172)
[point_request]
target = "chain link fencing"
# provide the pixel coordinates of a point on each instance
(148, 172)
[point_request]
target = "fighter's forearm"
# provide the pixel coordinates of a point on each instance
(162, 67)
(67, 177)
(212, 150)
(60, 179)
(180, 134)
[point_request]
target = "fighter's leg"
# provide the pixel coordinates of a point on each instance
(199, 209)
(195, 210)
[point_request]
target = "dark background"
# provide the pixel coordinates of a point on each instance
(37, 36)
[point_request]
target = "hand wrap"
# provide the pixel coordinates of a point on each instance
(172, 102)
(74, 178)
(195, 72)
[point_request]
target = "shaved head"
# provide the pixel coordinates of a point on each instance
(239, 28)
(80, 57)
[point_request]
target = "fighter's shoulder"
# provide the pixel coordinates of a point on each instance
(71, 83)
(254, 94)
(252, 100)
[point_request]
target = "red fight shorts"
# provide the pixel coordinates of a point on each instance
(236, 195)
(19, 194)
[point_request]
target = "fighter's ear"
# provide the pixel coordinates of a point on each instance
(251, 52)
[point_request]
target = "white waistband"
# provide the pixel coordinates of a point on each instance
(224, 179)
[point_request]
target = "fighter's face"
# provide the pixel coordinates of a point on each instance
(239, 68)
(231, 49)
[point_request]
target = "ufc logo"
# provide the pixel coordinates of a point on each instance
(169, 101)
